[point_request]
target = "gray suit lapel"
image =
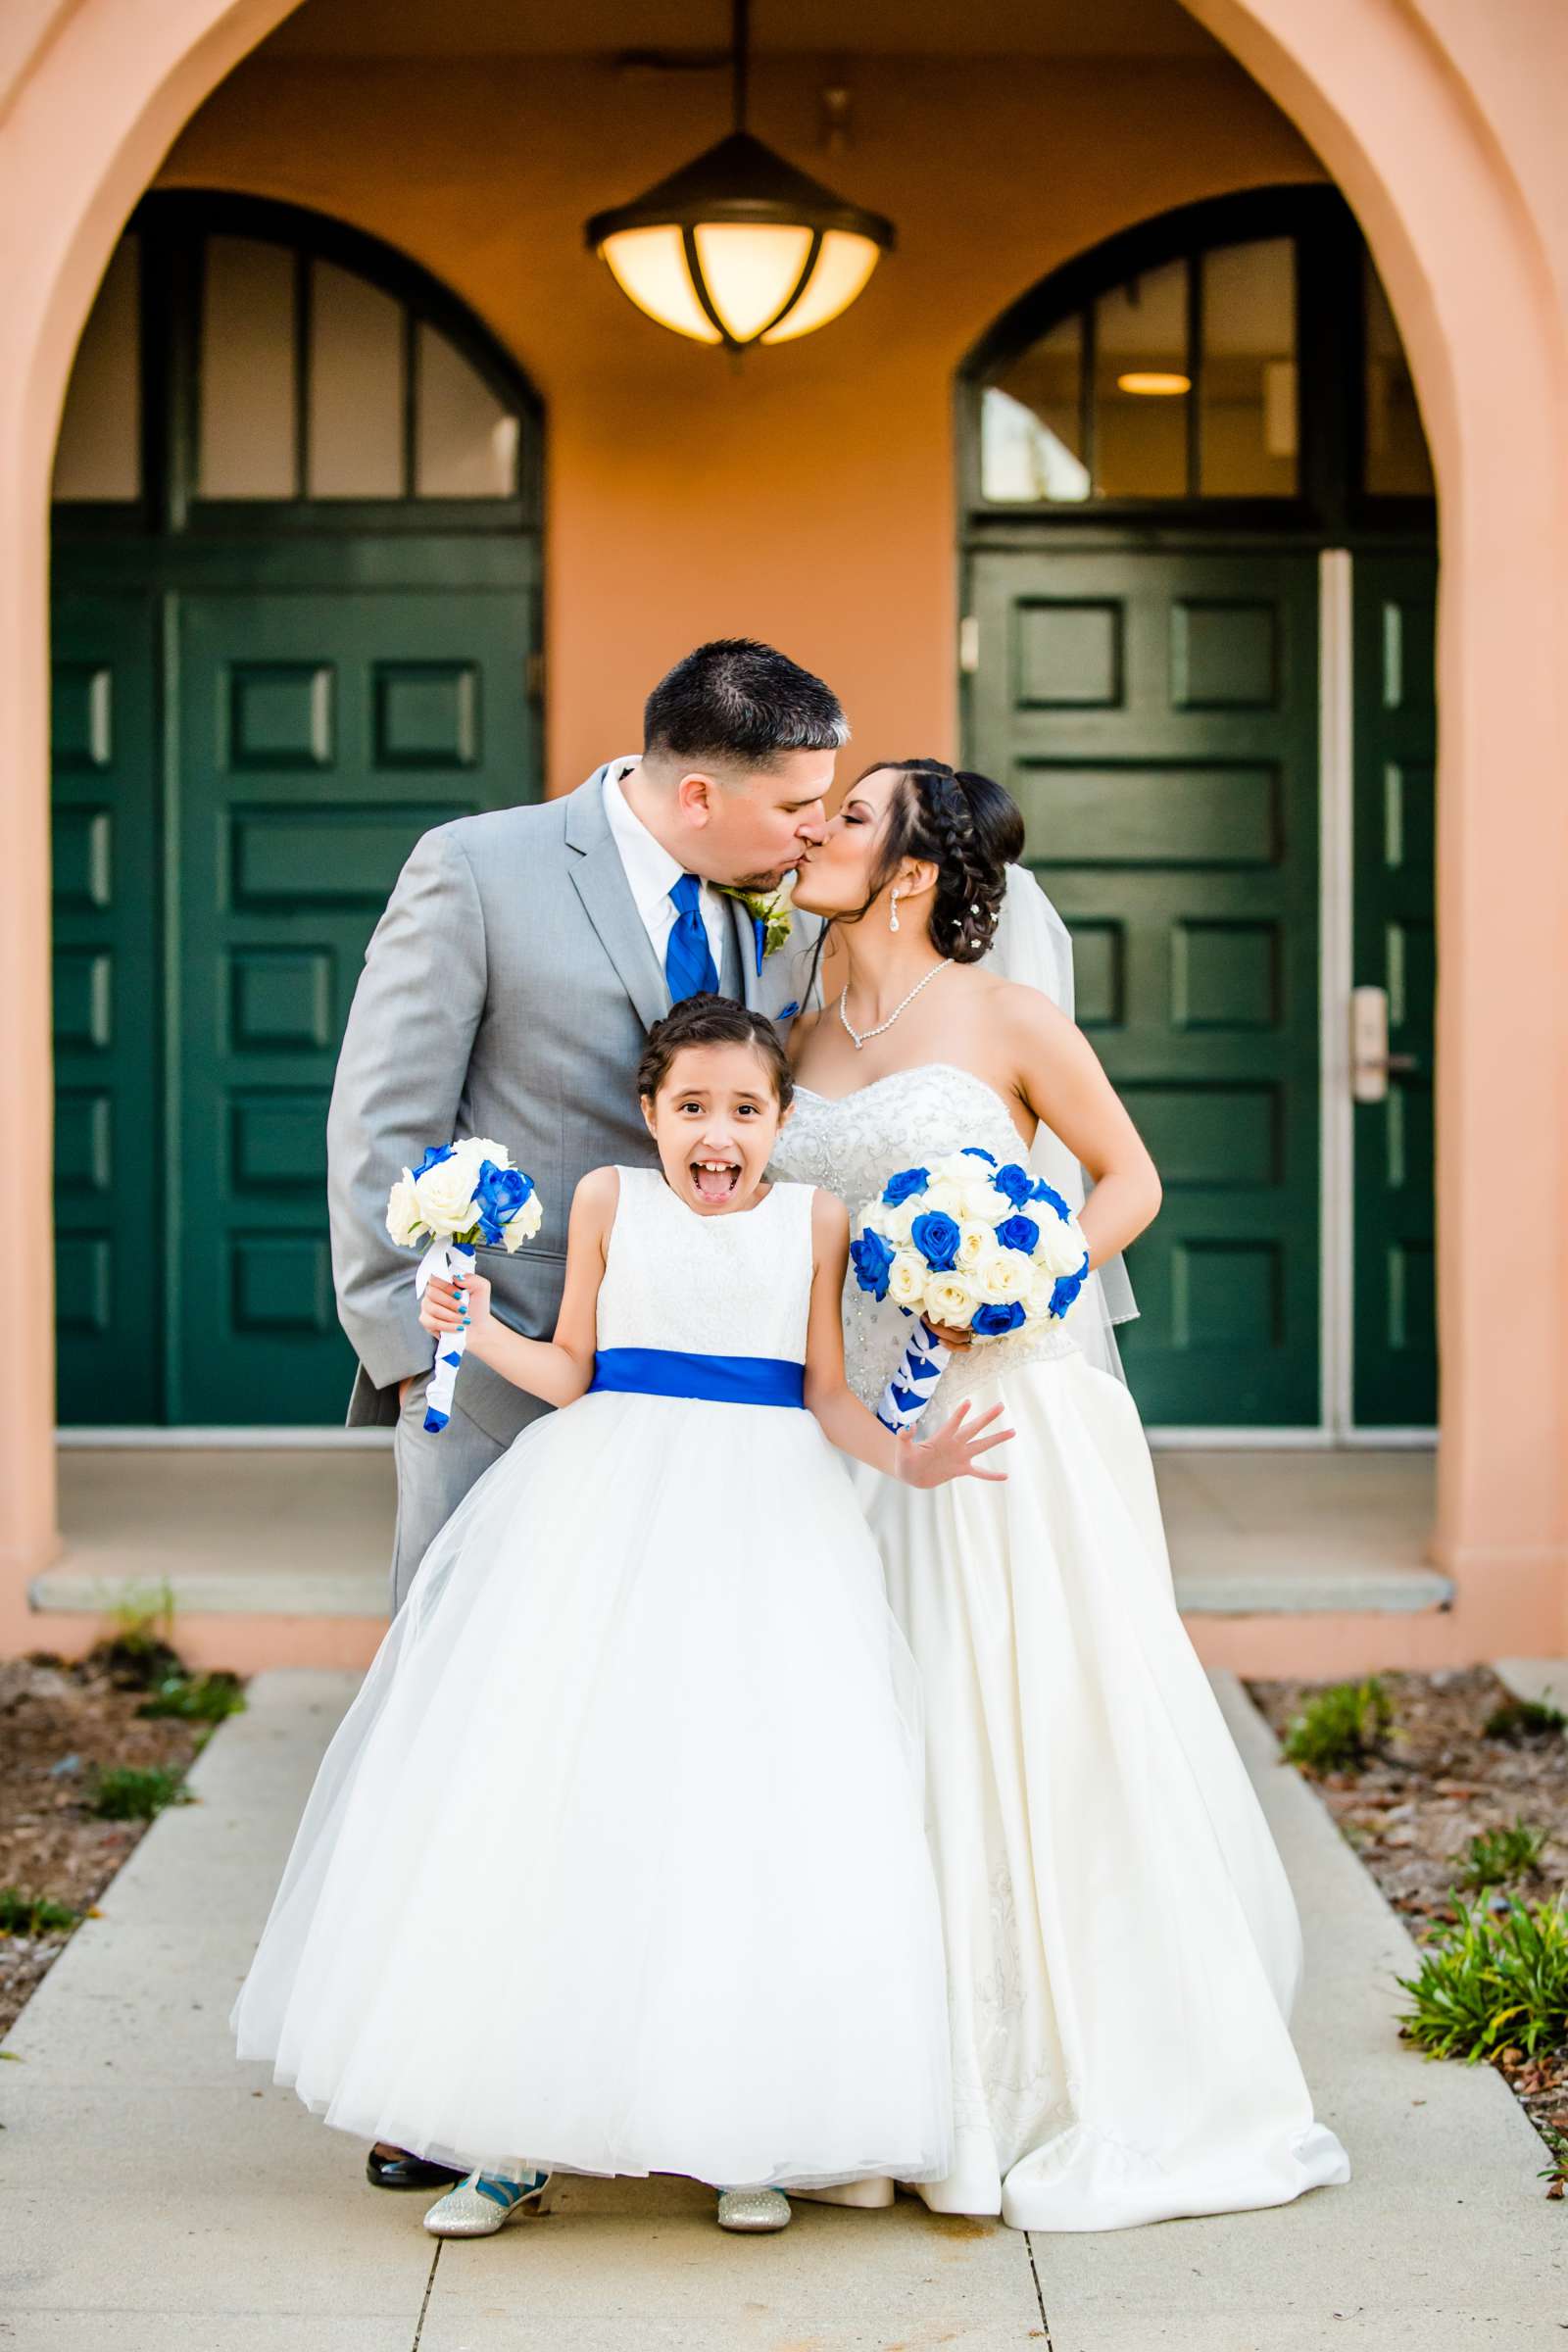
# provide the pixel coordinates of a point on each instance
(741, 978)
(601, 883)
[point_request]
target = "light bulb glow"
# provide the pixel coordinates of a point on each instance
(648, 266)
(843, 267)
(750, 273)
(1154, 383)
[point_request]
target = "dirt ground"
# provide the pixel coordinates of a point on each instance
(1438, 1781)
(57, 1723)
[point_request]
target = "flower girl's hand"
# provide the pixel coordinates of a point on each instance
(954, 1452)
(443, 1308)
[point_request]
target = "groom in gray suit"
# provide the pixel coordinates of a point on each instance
(507, 992)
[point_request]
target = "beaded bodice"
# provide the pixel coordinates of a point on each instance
(850, 1147)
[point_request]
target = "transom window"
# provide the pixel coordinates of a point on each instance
(321, 372)
(1181, 379)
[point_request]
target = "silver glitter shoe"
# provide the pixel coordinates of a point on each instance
(753, 2210)
(483, 2204)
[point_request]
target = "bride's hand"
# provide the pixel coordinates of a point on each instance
(949, 1337)
(442, 1309)
(954, 1452)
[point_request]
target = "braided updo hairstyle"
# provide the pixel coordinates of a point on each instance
(971, 830)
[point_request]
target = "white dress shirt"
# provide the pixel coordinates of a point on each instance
(652, 873)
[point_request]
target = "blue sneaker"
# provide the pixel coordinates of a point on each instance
(484, 2203)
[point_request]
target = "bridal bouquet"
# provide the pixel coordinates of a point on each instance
(459, 1195)
(971, 1245)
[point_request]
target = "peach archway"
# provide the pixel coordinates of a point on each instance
(1437, 140)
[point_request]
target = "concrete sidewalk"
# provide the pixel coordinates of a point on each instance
(155, 2196)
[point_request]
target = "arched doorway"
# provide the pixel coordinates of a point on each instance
(296, 623)
(1199, 575)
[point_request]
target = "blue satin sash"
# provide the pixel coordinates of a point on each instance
(715, 1379)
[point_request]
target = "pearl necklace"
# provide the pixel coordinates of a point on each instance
(863, 1037)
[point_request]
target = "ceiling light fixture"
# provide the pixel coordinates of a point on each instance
(738, 247)
(1154, 383)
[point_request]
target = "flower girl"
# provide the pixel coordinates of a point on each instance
(617, 1861)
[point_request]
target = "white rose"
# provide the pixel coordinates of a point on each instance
(950, 1300)
(907, 1278)
(985, 1205)
(445, 1195)
(1062, 1243)
(975, 1243)
(956, 1167)
(525, 1224)
(1001, 1277)
(403, 1219)
(944, 1194)
(896, 1225)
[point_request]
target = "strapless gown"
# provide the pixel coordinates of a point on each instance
(1123, 1947)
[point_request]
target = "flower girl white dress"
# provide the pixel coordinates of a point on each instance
(578, 1886)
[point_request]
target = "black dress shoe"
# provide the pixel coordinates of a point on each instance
(403, 2171)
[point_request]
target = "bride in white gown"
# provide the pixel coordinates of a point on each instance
(1123, 1947)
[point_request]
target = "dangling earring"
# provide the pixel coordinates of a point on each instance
(893, 914)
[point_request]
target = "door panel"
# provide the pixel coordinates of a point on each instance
(109, 1189)
(321, 735)
(1394, 1322)
(1157, 716)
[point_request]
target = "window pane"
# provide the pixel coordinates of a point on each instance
(247, 436)
(1249, 395)
(1143, 380)
(466, 445)
(1031, 426)
(1397, 463)
(99, 450)
(355, 387)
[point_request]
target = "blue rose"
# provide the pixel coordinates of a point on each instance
(872, 1259)
(499, 1194)
(994, 1322)
(1043, 1192)
(433, 1158)
(973, 1151)
(936, 1236)
(1018, 1233)
(1016, 1182)
(899, 1187)
(1067, 1288)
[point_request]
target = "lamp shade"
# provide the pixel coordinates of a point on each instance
(739, 247)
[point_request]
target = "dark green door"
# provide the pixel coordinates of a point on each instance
(1155, 714)
(108, 1197)
(223, 850)
(318, 739)
(1394, 1319)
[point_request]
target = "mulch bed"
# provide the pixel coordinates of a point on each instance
(1436, 1782)
(58, 1721)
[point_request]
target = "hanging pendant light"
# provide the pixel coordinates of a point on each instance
(738, 247)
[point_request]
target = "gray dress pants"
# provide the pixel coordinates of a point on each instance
(434, 1474)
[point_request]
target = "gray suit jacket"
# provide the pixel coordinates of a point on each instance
(507, 992)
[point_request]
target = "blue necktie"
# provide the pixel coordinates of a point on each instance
(689, 964)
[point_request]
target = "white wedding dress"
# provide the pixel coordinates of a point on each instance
(1123, 1948)
(577, 1885)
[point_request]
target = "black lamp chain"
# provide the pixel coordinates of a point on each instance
(740, 55)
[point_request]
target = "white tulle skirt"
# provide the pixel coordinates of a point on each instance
(1123, 1945)
(617, 1864)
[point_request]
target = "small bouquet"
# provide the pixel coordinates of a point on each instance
(980, 1248)
(459, 1195)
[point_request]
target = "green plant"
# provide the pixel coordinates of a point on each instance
(1492, 1981)
(33, 1914)
(1524, 1719)
(140, 1653)
(1494, 1857)
(196, 1697)
(131, 1793)
(1339, 1727)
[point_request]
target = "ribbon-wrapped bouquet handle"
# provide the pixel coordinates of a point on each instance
(973, 1246)
(461, 1195)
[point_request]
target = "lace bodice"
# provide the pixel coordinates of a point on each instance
(850, 1147)
(711, 1286)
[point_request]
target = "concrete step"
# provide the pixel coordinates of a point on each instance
(299, 1533)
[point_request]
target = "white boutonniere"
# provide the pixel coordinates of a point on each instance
(771, 913)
